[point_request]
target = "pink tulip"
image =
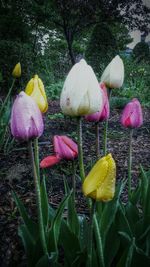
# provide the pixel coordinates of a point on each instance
(65, 148)
(49, 161)
(104, 113)
(26, 118)
(132, 116)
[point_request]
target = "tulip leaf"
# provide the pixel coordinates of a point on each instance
(53, 233)
(110, 250)
(83, 231)
(33, 248)
(122, 222)
(30, 225)
(127, 256)
(69, 243)
(44, 202)
(109, 212)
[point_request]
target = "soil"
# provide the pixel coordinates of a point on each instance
(16, 173)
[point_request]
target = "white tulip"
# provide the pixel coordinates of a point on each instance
(81, 94)
(113, 75)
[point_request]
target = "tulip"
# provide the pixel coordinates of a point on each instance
(26, 118)
(49, 161)
(113, 75)
(65, 148)
(16, 73)
(80, 94)
(104, 113)
(132, 115)
(35, 88)
(100, 182)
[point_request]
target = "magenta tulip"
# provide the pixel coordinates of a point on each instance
(65, 148)
(104, 113)
(26, 118)
(132, 116)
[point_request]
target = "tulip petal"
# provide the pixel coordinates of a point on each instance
(49, 161)
(100, 182)
(64, 148)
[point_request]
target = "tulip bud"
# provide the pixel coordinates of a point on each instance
(49, 161)
(26, 118)
(132, 116)
(65, 148)
(35, 88)
(100, 182)
(80, 94)
(17, 71)
(104, 113)
(113, 75)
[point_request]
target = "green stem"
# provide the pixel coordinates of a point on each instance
(109, 92)
(97, 140)
(36, 153)
(38, 199)
(130, 163)
(105, 138)
(7, 97)
(90, 234)
(74, 181)
(80, 151)
(99, 242)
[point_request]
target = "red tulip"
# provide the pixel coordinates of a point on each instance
(65, 148)
(132, 116)
(104, 113)
(49, 161)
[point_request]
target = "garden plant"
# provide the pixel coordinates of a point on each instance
(114, 232)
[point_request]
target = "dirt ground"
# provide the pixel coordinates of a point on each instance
(16, 173)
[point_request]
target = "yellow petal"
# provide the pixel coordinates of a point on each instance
(95, 178)
(17, 71)
(100, 182)
(35, 89)
(29, 87)
(107, 189)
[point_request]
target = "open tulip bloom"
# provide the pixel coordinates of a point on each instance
(100, 182)
(113, 75)
(26, 118)
(132, 116)
(80, 94)
(35, 88)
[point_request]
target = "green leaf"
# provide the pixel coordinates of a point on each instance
(44, 202)
(53, 233)
(30, 225)
(83, 231)
(127, 256)
(112, 245)
(69, 243)
(109, 212)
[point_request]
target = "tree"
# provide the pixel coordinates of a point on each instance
(141, 51)
(73, 17)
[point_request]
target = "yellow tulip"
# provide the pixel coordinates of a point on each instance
(100, 182)
(35, 88)
(17, 71)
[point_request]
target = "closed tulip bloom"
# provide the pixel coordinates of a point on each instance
(35, 88)
(65, 147)
(100, 182)
(26, 118)
(104, 113)
(80, 94)
(132, 116)
(113, 75)
(17, 71)
(49, 161)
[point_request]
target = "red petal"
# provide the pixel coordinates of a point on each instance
(49, 161)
